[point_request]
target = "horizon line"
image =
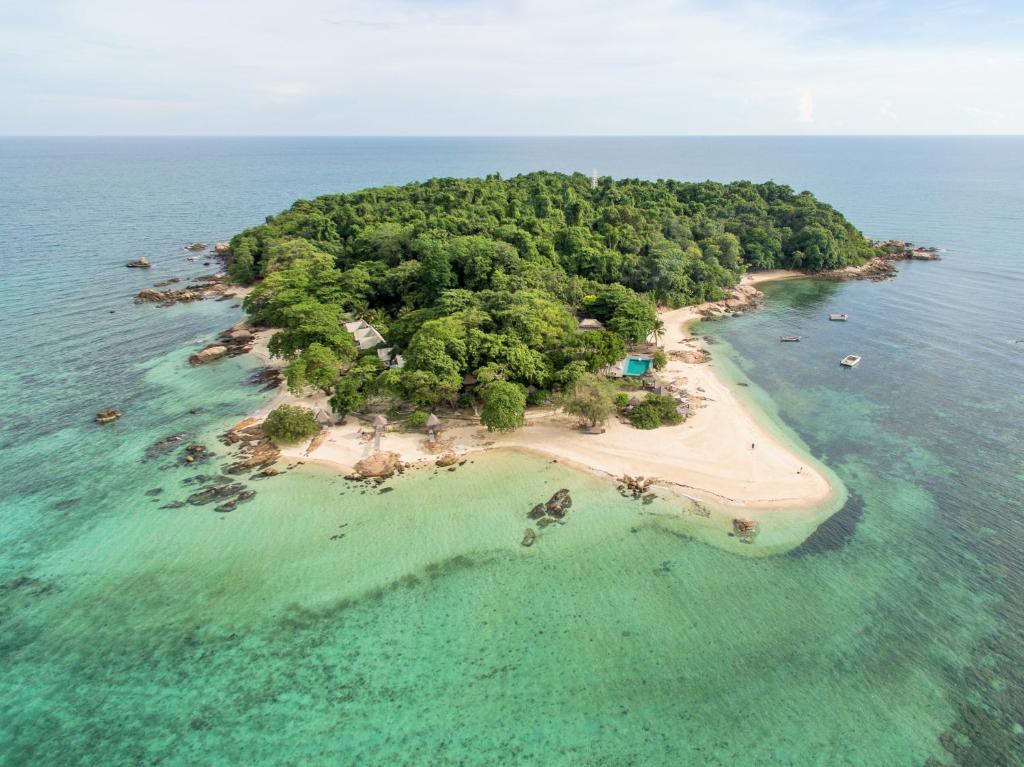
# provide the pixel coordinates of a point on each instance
(492, 135)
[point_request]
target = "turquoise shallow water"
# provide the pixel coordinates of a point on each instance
(133, 634)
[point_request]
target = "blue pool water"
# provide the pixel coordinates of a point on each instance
(637, 367)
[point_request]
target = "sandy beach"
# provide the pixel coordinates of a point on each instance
(721, 454)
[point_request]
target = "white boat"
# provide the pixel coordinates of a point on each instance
(849, 361)
(790, 339)
(839, 317)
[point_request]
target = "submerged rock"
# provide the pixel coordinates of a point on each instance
(196, 246)
(139, 263)
(529, 537)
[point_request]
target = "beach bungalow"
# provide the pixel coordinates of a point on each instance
(365, 334)
(591, 324)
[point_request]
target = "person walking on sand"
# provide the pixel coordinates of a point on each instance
(752, 446)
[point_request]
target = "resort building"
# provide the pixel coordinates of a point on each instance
(591, 324)
(365, 334)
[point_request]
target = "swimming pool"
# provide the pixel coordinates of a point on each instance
(635, 366)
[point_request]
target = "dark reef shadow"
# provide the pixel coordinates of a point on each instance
(835, 532)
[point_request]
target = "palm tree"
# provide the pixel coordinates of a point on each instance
(658, 332)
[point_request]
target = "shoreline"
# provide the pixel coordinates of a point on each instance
(706, 460)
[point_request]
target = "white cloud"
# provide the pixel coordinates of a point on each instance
(523, 67)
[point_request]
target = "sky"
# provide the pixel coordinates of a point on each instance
(518, 67)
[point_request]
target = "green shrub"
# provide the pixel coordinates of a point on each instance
(621, 400)
(655, 410)
(660, 360)
(291, 423)
(418, 419)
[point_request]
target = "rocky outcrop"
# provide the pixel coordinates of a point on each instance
(165, 283)
(139, 263)
(740, 298)
(196, 246)
(208, 286)
(382, 464)
(222, 249)
(107, 416)
(529, 536)
(883, 266)
(256, 451)
(208, 354)
(238, 339)
(876, 269)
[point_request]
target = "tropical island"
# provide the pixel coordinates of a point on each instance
(554, 302)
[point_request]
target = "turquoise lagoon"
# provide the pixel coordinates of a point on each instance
(321, 624)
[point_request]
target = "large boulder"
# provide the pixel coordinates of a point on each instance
(222, 248)
(139, 263)
(209, 354)
(383, 463)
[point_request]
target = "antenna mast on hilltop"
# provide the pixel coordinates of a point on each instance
(593, 179)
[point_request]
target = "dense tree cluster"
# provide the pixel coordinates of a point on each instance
(489, 277)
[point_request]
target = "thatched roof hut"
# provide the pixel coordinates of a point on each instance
(380, 422)
(324, 418)
(433, 423)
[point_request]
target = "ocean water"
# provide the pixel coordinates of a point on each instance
(321, 624)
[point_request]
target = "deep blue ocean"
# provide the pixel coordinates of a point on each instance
(132, 634)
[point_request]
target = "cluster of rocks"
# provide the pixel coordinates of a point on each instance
(741, 298)
(256, 451)
(269, 378)
(545, 514)
(689, 356)
(236, 340)
(107, 416)
(637, 488)
(207, 286)
(745, 529)
(228, 493)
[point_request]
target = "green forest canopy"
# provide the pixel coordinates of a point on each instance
(489, 276)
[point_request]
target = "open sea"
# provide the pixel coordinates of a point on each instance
(321, 624)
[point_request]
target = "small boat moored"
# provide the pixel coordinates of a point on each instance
(839, 317)
(789, 338)
(849, 361)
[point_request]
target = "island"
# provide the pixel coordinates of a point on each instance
(545, 312)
